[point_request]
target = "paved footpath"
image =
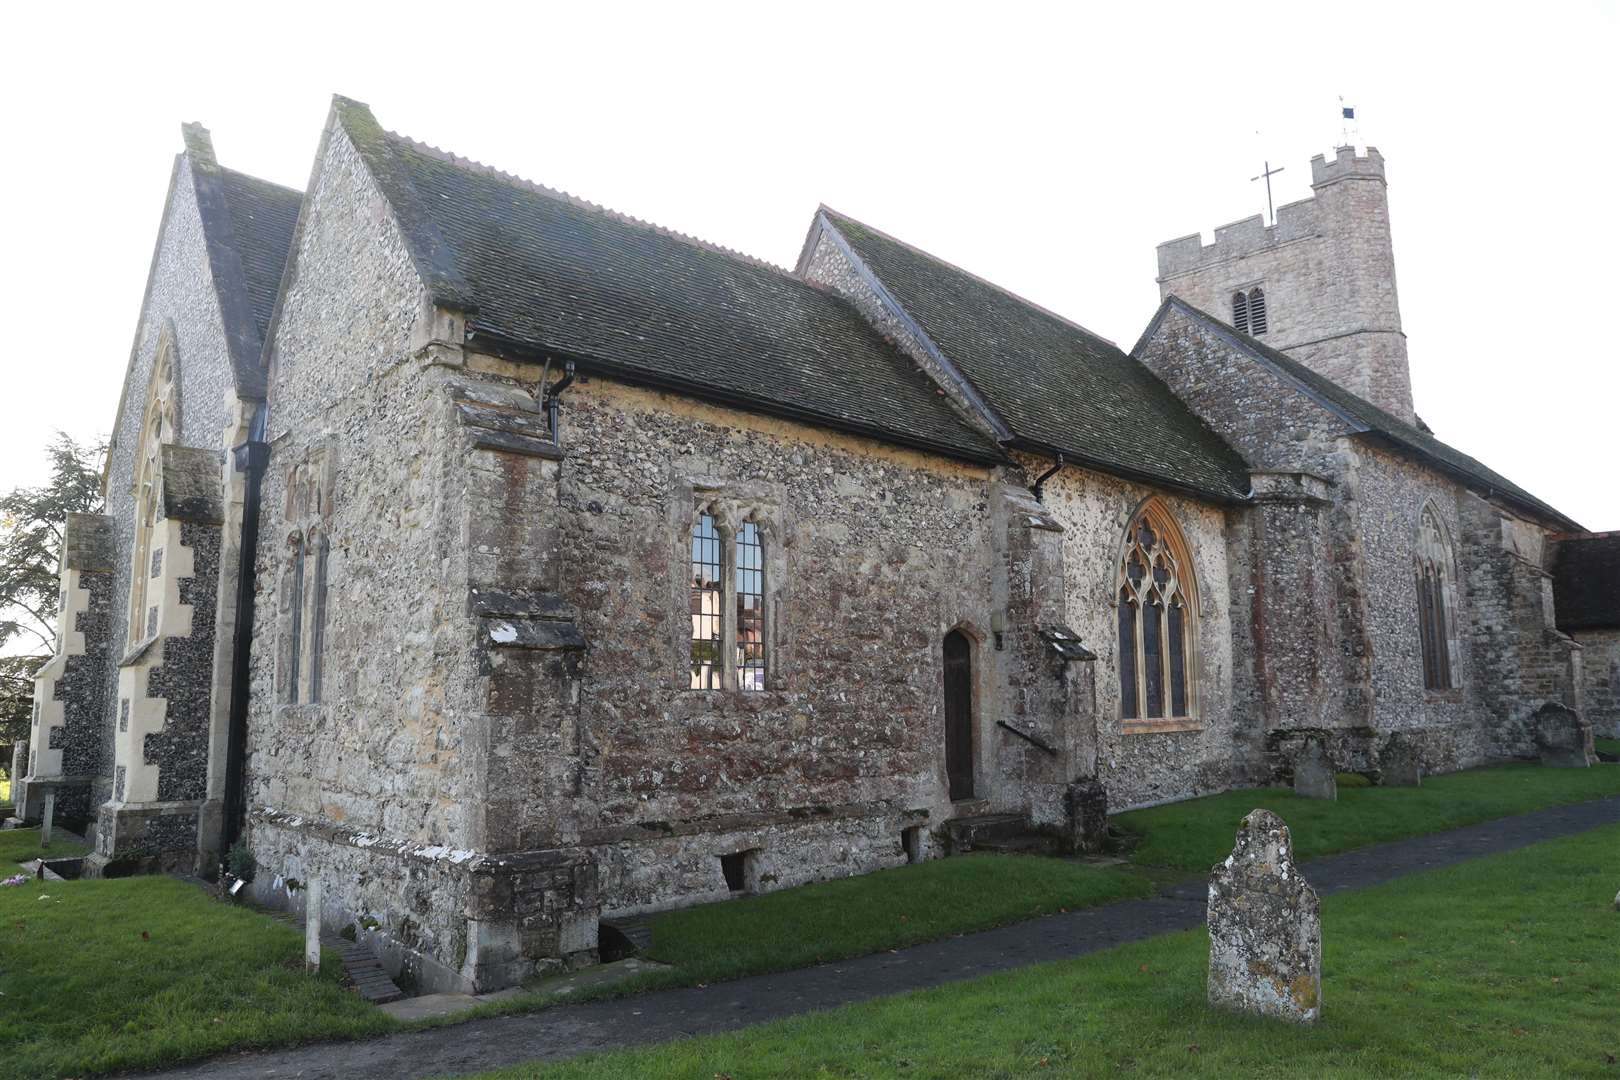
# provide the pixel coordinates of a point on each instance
(566, 1030)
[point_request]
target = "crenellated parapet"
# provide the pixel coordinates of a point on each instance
(1299, 220)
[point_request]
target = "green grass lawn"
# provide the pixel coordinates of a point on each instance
(834, 920)
(16, 845)
(141, 972)
(1505, 966)
(1608, 746)
(1196, 834)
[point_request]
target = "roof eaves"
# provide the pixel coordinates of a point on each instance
(823, 225)
(531, 353)
(1227, 496)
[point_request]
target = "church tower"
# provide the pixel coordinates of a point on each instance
(1319, 284)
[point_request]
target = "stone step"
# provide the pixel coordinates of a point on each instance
(620, 939)
(361, 968)
(984, 830)
(1029, 843)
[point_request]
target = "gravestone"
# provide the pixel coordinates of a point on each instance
(1265, 927)
(1399, 764)
(312, 926)
(1563, 738)
(1087, 805)
(1313, 773)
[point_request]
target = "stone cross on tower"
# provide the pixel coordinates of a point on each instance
(1267, 174)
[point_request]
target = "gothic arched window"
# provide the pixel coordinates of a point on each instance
(1437, 601)
(1240, 311)
(1157, 601)
(160, 423)
(1257, 311)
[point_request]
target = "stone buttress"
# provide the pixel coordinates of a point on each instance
(165, 680)
(65, 739)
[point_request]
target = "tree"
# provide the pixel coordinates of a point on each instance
(31, 520)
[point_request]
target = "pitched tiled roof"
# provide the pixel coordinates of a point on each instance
(1368, 417)
(1054, 386)
(1586, 582)
(262, 219)
(543, 273)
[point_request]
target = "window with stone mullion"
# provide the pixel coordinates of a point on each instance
(727, 605)
(1153, 629)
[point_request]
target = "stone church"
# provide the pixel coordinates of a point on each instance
(509, 564)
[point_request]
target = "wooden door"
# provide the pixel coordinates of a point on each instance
(959, 714)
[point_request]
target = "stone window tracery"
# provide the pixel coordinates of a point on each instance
(1437, 601)
(160, 423)
(1157, 604)
(304, 581)
(727, 604)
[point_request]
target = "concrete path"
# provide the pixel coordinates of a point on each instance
(567, 1030)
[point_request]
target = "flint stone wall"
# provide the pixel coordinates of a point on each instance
(382, 754)
(181, 293)
(871, 556)
(1600, 680)
(1137, 768)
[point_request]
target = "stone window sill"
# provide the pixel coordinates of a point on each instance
(1154, 727)
(1454, 695)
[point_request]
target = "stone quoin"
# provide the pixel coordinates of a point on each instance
(506, 563)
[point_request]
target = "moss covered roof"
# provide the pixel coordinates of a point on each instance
(1054, 385)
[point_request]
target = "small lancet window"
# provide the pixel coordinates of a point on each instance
(1240, 311)
(1155, 601)
(1257, 311)
(1436, 598)
(750, 608)
(708, 590)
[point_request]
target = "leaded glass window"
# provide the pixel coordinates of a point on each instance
(730, 631)
(1155, 600)
(708, 589)
(1436, 597)
(750, 608)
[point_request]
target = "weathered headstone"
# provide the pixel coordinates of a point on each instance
(49, 819)
(1563, 737)
(1399, 764)
(1313, 773)
(1087, 804)
(312, 926)
(1265, 927)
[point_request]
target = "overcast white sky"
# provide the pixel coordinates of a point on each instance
(1048, 148)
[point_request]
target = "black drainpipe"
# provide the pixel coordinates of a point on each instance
(250, 458)
(1038, 488)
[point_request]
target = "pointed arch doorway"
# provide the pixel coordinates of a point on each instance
(959, 714)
